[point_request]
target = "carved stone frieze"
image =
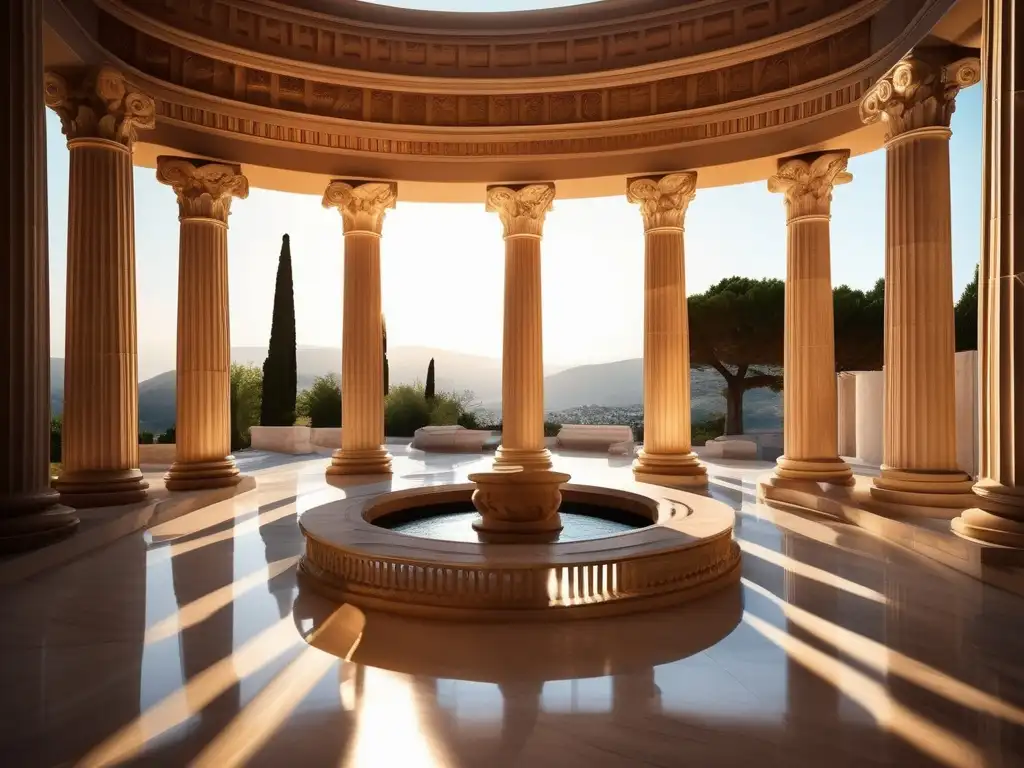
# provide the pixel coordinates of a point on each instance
(204, 188)
(99, 104)
(350, 37)
(521, 208)
(362, 205)
(920, 91)
(663, 200)
(241, 82)
(265, 127)
(807, 182)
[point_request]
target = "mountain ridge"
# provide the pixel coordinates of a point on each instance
(616, 385)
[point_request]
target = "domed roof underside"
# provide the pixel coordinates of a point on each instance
(348, 88)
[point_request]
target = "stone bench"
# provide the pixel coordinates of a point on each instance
(293, 440)
(612, 438)
(736, 448)
(449, 438)
(325, 437)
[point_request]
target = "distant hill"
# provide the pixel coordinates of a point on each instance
(617, 384)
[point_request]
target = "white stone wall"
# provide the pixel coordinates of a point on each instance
(862, 406)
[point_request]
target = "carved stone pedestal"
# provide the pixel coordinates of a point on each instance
(518, 505)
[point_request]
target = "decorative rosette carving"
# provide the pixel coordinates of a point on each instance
(99, 104)
(362, 204)
(663, 200)
(521, 208)
(920, 91)
(204, 189)
(807, 182)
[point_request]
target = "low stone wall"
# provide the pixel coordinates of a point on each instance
(866, 411)
(326, 437)
(157, 454)
(293, 440)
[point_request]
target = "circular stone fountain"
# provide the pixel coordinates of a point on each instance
(671, 546)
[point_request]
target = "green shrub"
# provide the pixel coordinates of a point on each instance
(321, 403)
(638, 432)
(167, 438)
(246, 403)
(708, 429)
(469, 420)
(405, 411)
(551, 429)
(145, 438)
(56, 427)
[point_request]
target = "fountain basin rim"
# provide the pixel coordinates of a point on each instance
(687, 552)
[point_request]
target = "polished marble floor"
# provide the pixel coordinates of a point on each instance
(190, 644)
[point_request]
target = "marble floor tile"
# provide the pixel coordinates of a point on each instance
(192, 644)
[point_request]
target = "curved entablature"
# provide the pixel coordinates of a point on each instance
(365, 39)
(291, 87)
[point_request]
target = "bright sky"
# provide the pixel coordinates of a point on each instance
(443, 263)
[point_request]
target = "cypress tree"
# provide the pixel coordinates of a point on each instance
(279, 369)
(428, 391)
(384, 344)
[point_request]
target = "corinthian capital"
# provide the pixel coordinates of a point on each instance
(920, 91)
(204, 188)
(807, 182)
(521, 209)
(362, 204)
(99, 104)
(663, 199)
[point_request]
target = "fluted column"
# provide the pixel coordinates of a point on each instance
(997, 514)
(811, 417)
(362, 206)
(100, 113)
(203, 429)
(522, 211)
(916, 100)
(29, 512)
(667, 457)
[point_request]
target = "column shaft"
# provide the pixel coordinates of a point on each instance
(919, 449)
(667, 456)
(522, 369)
(362, 206)
(666, 345)
(915, 100)
(203, 431)
(101, 403)
(809, 394)
(362, 364)
(29, 512)
(522, 210)
(997, 515)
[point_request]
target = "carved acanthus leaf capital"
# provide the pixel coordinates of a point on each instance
(807, 182)
(521, 209)
(204, 188)
(362, 204)
(99, 104)
(920, 91)
(663, 200)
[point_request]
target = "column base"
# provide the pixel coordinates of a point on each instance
(360, 461)
(998, 517)
(34, 520)
(202, 475)
(101, 487)
(833, 470)
(917, 488)
(527, 458)
(675, 470)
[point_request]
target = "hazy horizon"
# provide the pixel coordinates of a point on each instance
(443, 263)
